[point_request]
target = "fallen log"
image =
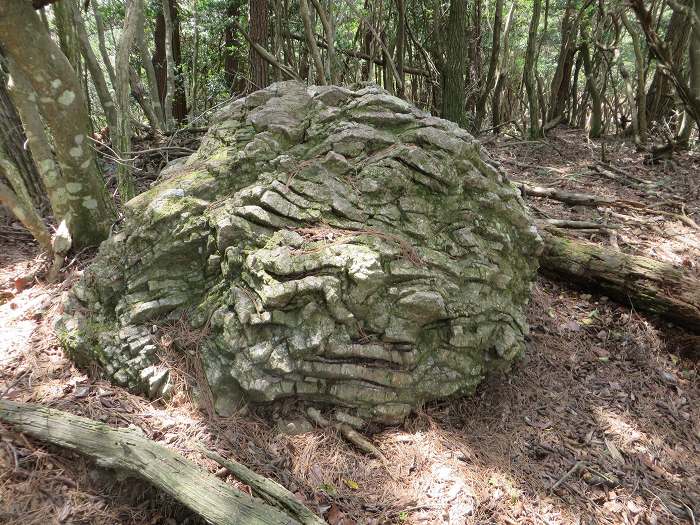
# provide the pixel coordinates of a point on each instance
(127, 450)
(647, 284)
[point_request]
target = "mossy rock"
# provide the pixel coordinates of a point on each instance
(341, 246)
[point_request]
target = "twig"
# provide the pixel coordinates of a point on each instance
(566, 476)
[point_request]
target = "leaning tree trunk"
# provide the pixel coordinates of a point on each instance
(98, 78)
(15, 196)
(646, 284)
(81, 188)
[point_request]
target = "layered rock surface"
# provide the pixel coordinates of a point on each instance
(340, 245)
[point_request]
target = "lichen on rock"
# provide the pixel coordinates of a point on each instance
(342, 246)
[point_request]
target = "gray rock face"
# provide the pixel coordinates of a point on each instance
(342, 247)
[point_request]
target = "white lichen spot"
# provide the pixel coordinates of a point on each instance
(79, 139)
(76, 152)
(31, 97)
(56, 83)
(60, 196)
(66, 98)
(89, 203)
(85, 165)
(73, 187)
(46, 100)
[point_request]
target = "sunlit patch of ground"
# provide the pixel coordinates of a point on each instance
(599, 423)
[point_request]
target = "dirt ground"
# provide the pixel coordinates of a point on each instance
(598, 423)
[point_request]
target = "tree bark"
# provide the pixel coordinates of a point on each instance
(80, 193)
(169, 65)
(453, 99)
(13, 140)
(128, 450)
(258, 35)
(645, 284)
(16, 197)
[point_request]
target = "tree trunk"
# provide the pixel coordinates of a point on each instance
(14, 195)
(493, 66)
(640, 67)
(258, 34)
(122, 137)
(80, 193)
(12, 140)
(400, 45)
(453, 99)
(595, 128)
(660, 94)
(500, 75)
(694, 80)
(169, 65)
(93, 66)
(233, 76)
(529, 76)
(160, 62)
(311, 42)
(151, 101)
(128, 450)
(643, 283)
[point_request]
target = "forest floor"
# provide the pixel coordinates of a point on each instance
(598, 423)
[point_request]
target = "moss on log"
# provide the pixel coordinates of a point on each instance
(647, 284)
(127, 450)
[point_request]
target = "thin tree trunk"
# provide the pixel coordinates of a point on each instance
(122, 137)
(694, 63)
(500, 75)
(493, 66)
(93, 66)
(641, 76)
(151, 97)
(400, 45)
(169, 64)
(99, 26)
(529, 77)
(596, 121)
(311, 42)
(81, 192)
(326, 18)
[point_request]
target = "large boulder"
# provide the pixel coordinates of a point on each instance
(340, 245)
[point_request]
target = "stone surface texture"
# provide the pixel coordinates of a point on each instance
(340, 246)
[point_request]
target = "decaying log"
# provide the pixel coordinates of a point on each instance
(126, 449)
(646, 284)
